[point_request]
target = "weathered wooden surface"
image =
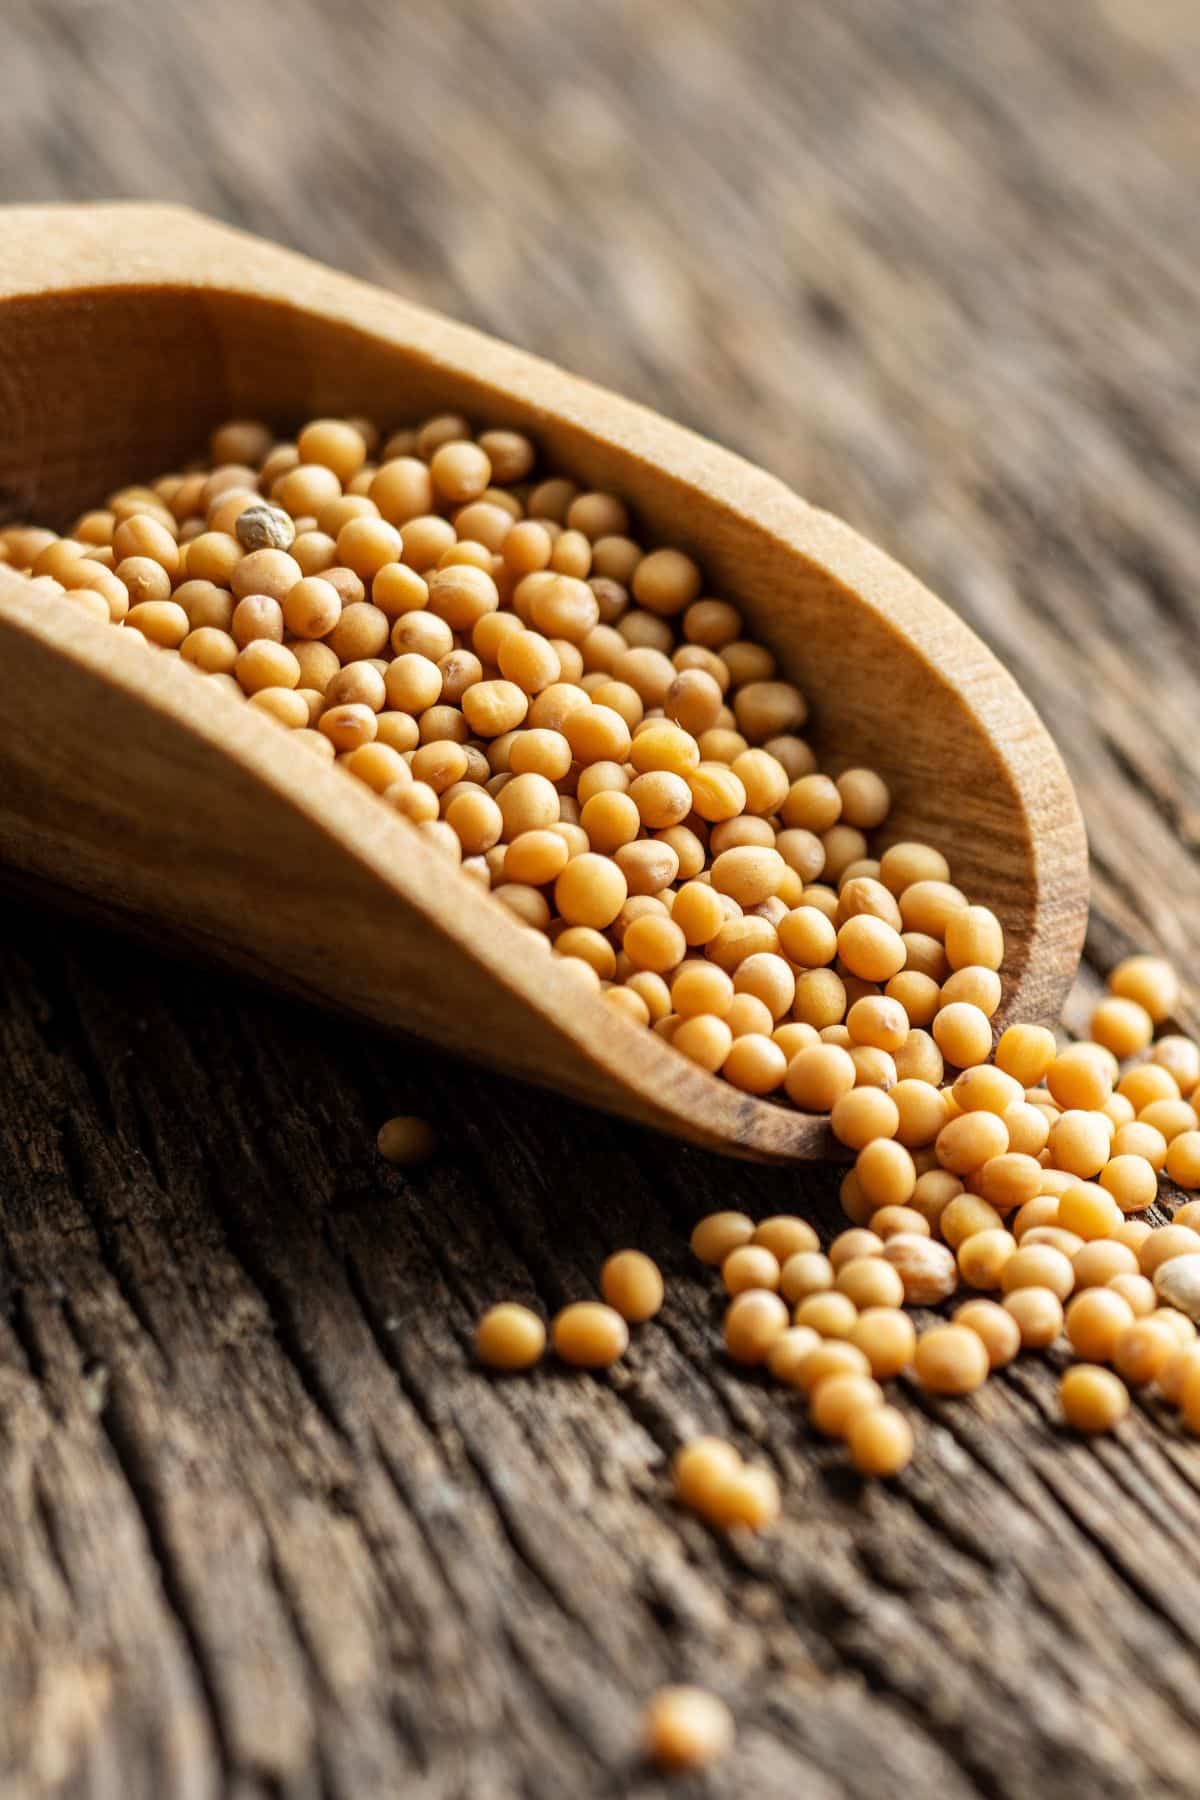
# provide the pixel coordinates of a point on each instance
(264, 1530)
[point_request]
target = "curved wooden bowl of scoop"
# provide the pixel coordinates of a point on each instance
(127, 333)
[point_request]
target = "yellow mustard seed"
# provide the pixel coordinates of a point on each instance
(1183, 1159)
(1093, 1399)
(805, 1272)
(1039, 1266)
(831, 1315)
(982, 1257)
(750, 1266)
(1122, 1026)
(969, 1141)
(1097, 1262)
(509, 1337)
(720, 1233)
(817, 1078)
(887, 1338)
(1143, 1350)
(963, 1033)
(753, 1320)
(862, 1115)
(1038, 1313)
(686, 1727)
(784, 1236)
(1095, 1321)
(589, 1335)
(406, 1141)
(951, 1359)
(700, 1468)
(632, 1284)
(880, 1439)
(869, 1281)
(886, 1172)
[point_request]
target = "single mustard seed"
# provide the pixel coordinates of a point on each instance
(887, 1338)
(1093, 1399)
(926, 1268)
(753, 1320)
(1039, 1316)
(831, 1315)
(686, 1728)
(633, 1285)
(869, 1281)
(700, 1469)
(589, 1335)
(785, 1236)
(720, 1233)
(880, 1439)
(405, 1141)
(807, 1272)
(1095, 1322)
(509, 1337)
(1143, 1351)
(951, 1359)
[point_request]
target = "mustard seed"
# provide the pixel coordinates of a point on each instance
(870, 1282)
(1095, 1321)
(1143, 1351)
(753, 1321)
(1038, 1313)
(686, 1728)
(1183, 1159)
(406, 1141)
(717, 1235)
(510, 1337)
(881, 1441)
(589, 1335)
(749, 1266)
(951, 1359)
(831, 1315)
(887, 1338)
(785, 1236)
(926, 1268)
(700, 1468)
(633, 1285)
(1093, 1399)
(804, 1273)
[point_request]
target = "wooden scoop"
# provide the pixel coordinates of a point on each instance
(126, 333)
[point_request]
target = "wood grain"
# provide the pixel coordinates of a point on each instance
(161, 807)
(264, 1530)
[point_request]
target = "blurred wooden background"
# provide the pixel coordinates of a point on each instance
(263, 1529)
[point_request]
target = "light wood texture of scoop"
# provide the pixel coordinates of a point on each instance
(128, 332)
